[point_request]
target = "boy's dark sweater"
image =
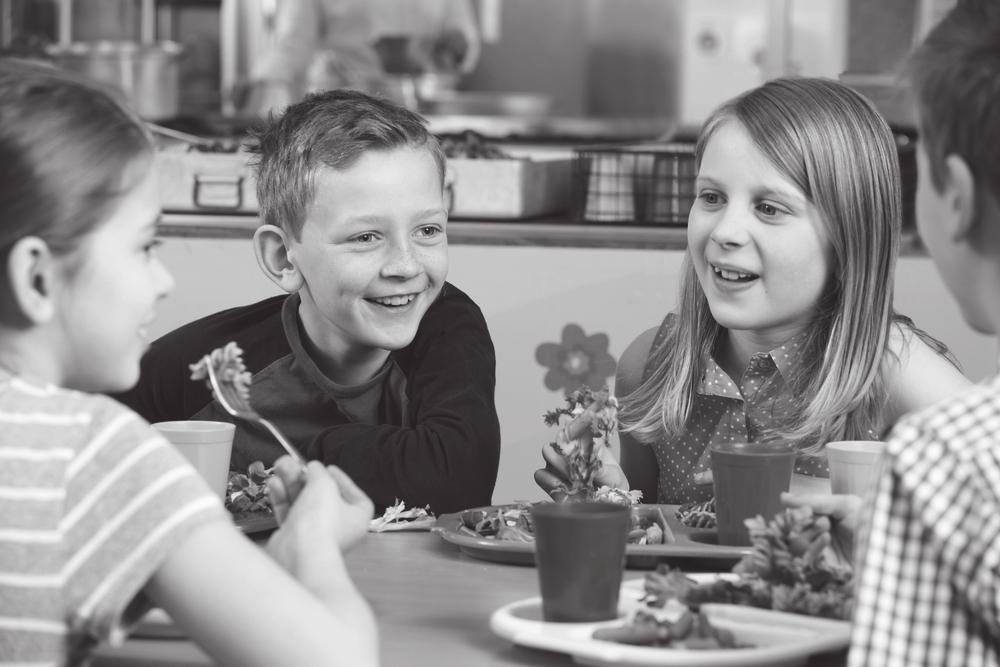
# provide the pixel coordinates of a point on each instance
(446, 457)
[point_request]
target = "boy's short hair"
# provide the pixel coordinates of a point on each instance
(955, 79)
(330, 129)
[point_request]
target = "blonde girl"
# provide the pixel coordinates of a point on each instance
(99, 515)
(785, 328)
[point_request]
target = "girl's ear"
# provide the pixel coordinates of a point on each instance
(271, 246)
(961, 188)
(31, 275)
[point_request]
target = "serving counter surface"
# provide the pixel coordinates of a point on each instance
(554, 231)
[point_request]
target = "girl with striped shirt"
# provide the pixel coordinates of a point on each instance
(99, 516)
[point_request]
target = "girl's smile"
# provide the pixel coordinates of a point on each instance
(728, 274)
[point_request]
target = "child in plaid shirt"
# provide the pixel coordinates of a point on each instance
(928, 585)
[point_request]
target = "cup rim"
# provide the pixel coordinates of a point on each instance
(196, 431)
(753, 448)
(578, 509)
(856, 446)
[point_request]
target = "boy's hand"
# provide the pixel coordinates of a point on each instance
(844, 512)
(341, 507)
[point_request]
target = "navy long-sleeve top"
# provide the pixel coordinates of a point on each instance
(424, 431)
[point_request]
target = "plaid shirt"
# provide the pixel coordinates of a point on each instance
(929, 580)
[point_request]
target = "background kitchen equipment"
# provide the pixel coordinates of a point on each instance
(643, 184)
(654, 183)
(206, 178)
(147, 71)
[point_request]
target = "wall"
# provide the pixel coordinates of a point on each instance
(528, 295)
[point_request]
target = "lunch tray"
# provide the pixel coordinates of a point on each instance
(699, 543)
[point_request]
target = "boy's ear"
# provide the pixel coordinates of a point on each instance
(31, 276)
(960, 186)
(271, 245)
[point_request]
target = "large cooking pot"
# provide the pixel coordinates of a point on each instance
(149, 75)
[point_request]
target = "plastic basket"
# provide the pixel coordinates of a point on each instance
(644, 184)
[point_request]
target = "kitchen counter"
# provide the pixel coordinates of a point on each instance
(554, 231)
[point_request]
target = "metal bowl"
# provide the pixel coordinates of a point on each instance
(486, 103)
(149, 75)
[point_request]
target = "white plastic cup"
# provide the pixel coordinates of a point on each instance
(208, 445)
(854, 465)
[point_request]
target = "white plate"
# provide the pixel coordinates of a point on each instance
(778, 638)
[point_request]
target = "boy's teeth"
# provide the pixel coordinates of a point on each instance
(394, 300)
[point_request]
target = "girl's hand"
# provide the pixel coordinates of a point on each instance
(554, 477)
(332, 498)
(844, 513)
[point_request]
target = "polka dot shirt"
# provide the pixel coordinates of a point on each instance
(728, 411)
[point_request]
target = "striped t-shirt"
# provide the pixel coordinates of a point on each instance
(92, 501)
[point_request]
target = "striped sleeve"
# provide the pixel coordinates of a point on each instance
(93, 502)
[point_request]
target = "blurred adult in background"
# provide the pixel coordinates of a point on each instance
(362, 44)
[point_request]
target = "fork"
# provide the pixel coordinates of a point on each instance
(238, 405)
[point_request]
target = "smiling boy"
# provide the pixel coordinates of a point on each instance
(372, 361)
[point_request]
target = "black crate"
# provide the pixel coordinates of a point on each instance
(644, 184)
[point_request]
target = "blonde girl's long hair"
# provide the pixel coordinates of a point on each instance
(841, 154)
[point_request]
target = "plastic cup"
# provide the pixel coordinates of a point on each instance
(854, 465)
(208, 445)
(580, 554)
(748, 480)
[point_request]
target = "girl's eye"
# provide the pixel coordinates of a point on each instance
(711, 198)
(769, 210)
(366, 237)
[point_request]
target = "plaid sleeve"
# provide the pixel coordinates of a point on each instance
(928, 579)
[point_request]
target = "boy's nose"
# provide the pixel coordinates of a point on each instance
(403, 262)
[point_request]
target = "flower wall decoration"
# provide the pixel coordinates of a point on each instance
(579, 360)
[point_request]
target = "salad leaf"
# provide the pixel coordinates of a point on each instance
(399, 517)
(786, 571)
(246, 493)
(586, 424)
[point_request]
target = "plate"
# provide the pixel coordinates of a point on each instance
(688, 542)
(256, 522)
(777, 638)
(156, 624)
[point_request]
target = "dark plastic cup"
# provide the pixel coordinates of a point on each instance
(580, 554)
(748, 480)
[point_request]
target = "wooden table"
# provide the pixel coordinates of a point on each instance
(432, 603)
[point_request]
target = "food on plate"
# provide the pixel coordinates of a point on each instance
(228, 364)
(586, 424)
(246, 493)
(399, 517)
(692, 630)
(513, 523)
(786, 571)
(697, 514)
(505, 522)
